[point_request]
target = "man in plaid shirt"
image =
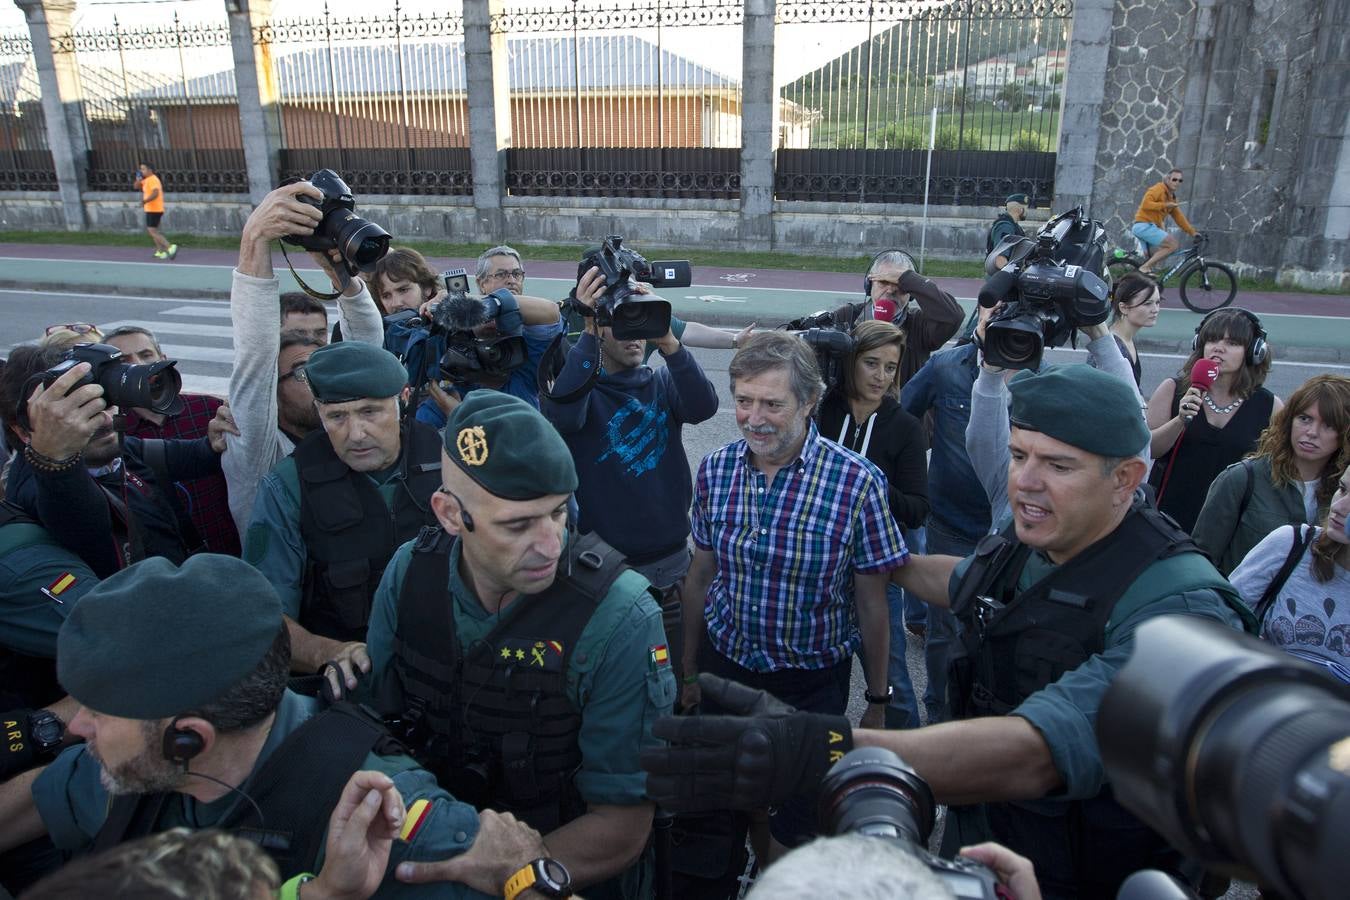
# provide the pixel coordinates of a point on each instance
(206, 500)
(794, 542)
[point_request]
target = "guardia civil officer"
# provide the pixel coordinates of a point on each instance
(1049, 606)
(181, 674)
(527, 663)
(329, 516)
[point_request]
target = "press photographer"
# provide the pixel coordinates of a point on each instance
(77, 475)
(1047, 292)
(1044, 635)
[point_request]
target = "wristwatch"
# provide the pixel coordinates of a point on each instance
(884, 698)
(544, 875)
(46, 732)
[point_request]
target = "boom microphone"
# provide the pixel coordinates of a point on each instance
(997, 289)
(1203, 375)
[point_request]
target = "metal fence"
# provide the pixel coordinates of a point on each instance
(630, 101)
(162, 95)
(860, 81)
(382, 100)
(25, 161)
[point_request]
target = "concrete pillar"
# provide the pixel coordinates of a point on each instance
(759, 134)
(1084, 90)
(489, 92)
(259, 105)
(49, 27)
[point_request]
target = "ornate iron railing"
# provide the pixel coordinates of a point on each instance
(381, 99)
(25, 160)
(163, 95)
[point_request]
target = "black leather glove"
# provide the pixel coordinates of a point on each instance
(760, 755)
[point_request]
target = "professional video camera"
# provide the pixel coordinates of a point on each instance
(872, 791)
(154, 387)
(361, 243)
(1048, 292)
(1236, 752)
(451, 340)
(631, 315)
(829, 338)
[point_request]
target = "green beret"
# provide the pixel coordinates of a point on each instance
(1018, 198)
(1081, 406)
(353, 370)
(508, 447)
(156, 640)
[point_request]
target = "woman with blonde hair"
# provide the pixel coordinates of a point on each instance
(1290, 478)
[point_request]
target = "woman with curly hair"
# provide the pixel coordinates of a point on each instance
(1298, 581)
(1196, 433)
(1290, 478)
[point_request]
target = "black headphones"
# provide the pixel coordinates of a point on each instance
(1257, 349)
(180, 744)
(867, 278)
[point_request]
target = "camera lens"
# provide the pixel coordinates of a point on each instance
(362, 243)
(1015, 343)
(639, 318)
(872, 791)
(154, 387)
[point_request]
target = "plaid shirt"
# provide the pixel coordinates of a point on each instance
(782, 596)
(206, 499)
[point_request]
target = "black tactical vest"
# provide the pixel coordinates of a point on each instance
(27, 682)
(350, 532)
(493, 721)
(295, 790)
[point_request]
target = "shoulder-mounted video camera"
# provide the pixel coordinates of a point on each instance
(828, 338)
(1048, 291)
(468, 352)
(628, 313)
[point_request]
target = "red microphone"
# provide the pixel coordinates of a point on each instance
(1203, 375)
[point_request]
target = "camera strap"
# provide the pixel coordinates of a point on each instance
(317, 295)
(555, 358)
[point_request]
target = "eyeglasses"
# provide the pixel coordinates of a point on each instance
(298, 372)
(77, 327)
(503, 274)
(1176, 180)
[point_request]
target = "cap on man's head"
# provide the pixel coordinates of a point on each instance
(354, 370)
(507, 447)
(1018, 198)
(155, 640)
(1081, 406)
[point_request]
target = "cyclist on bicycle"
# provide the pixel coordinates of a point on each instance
(1160, 201)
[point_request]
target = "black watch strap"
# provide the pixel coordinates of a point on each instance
(884, 698)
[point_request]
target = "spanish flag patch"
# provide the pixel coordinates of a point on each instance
(57, 587)
(660, 656)
(417, 814)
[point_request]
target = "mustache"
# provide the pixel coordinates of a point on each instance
(759, 429)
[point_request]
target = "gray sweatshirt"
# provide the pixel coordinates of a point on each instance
(255, 311)
(988, 430)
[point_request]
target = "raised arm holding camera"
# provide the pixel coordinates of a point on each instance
(272, 407)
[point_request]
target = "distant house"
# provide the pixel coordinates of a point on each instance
(624, 93)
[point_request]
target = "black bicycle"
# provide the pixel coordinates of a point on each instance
(1205, 285)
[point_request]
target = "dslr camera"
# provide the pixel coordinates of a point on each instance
(1235, 751)
(361, 243)
(829, 339)
(631, 315)
(1049, 291)
(154, 387)
(871, 791)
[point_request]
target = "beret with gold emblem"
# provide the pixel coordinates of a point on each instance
(508, 447)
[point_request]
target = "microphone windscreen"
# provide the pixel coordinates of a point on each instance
(1204, 373)
(883, 310)
(997, 288)
(459, 313)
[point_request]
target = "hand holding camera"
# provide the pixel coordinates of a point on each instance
(288, 210)
(63, 417)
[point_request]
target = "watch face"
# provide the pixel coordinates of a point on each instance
(555, 874)
(46, 730)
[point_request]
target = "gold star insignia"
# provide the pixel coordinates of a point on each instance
(506, 653)
(520, 654)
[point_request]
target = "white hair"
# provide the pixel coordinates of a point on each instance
(852, 865)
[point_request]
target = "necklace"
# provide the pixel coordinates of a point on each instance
(1222, 410)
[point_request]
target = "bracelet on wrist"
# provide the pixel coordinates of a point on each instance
(877, 700)
(44, 463)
